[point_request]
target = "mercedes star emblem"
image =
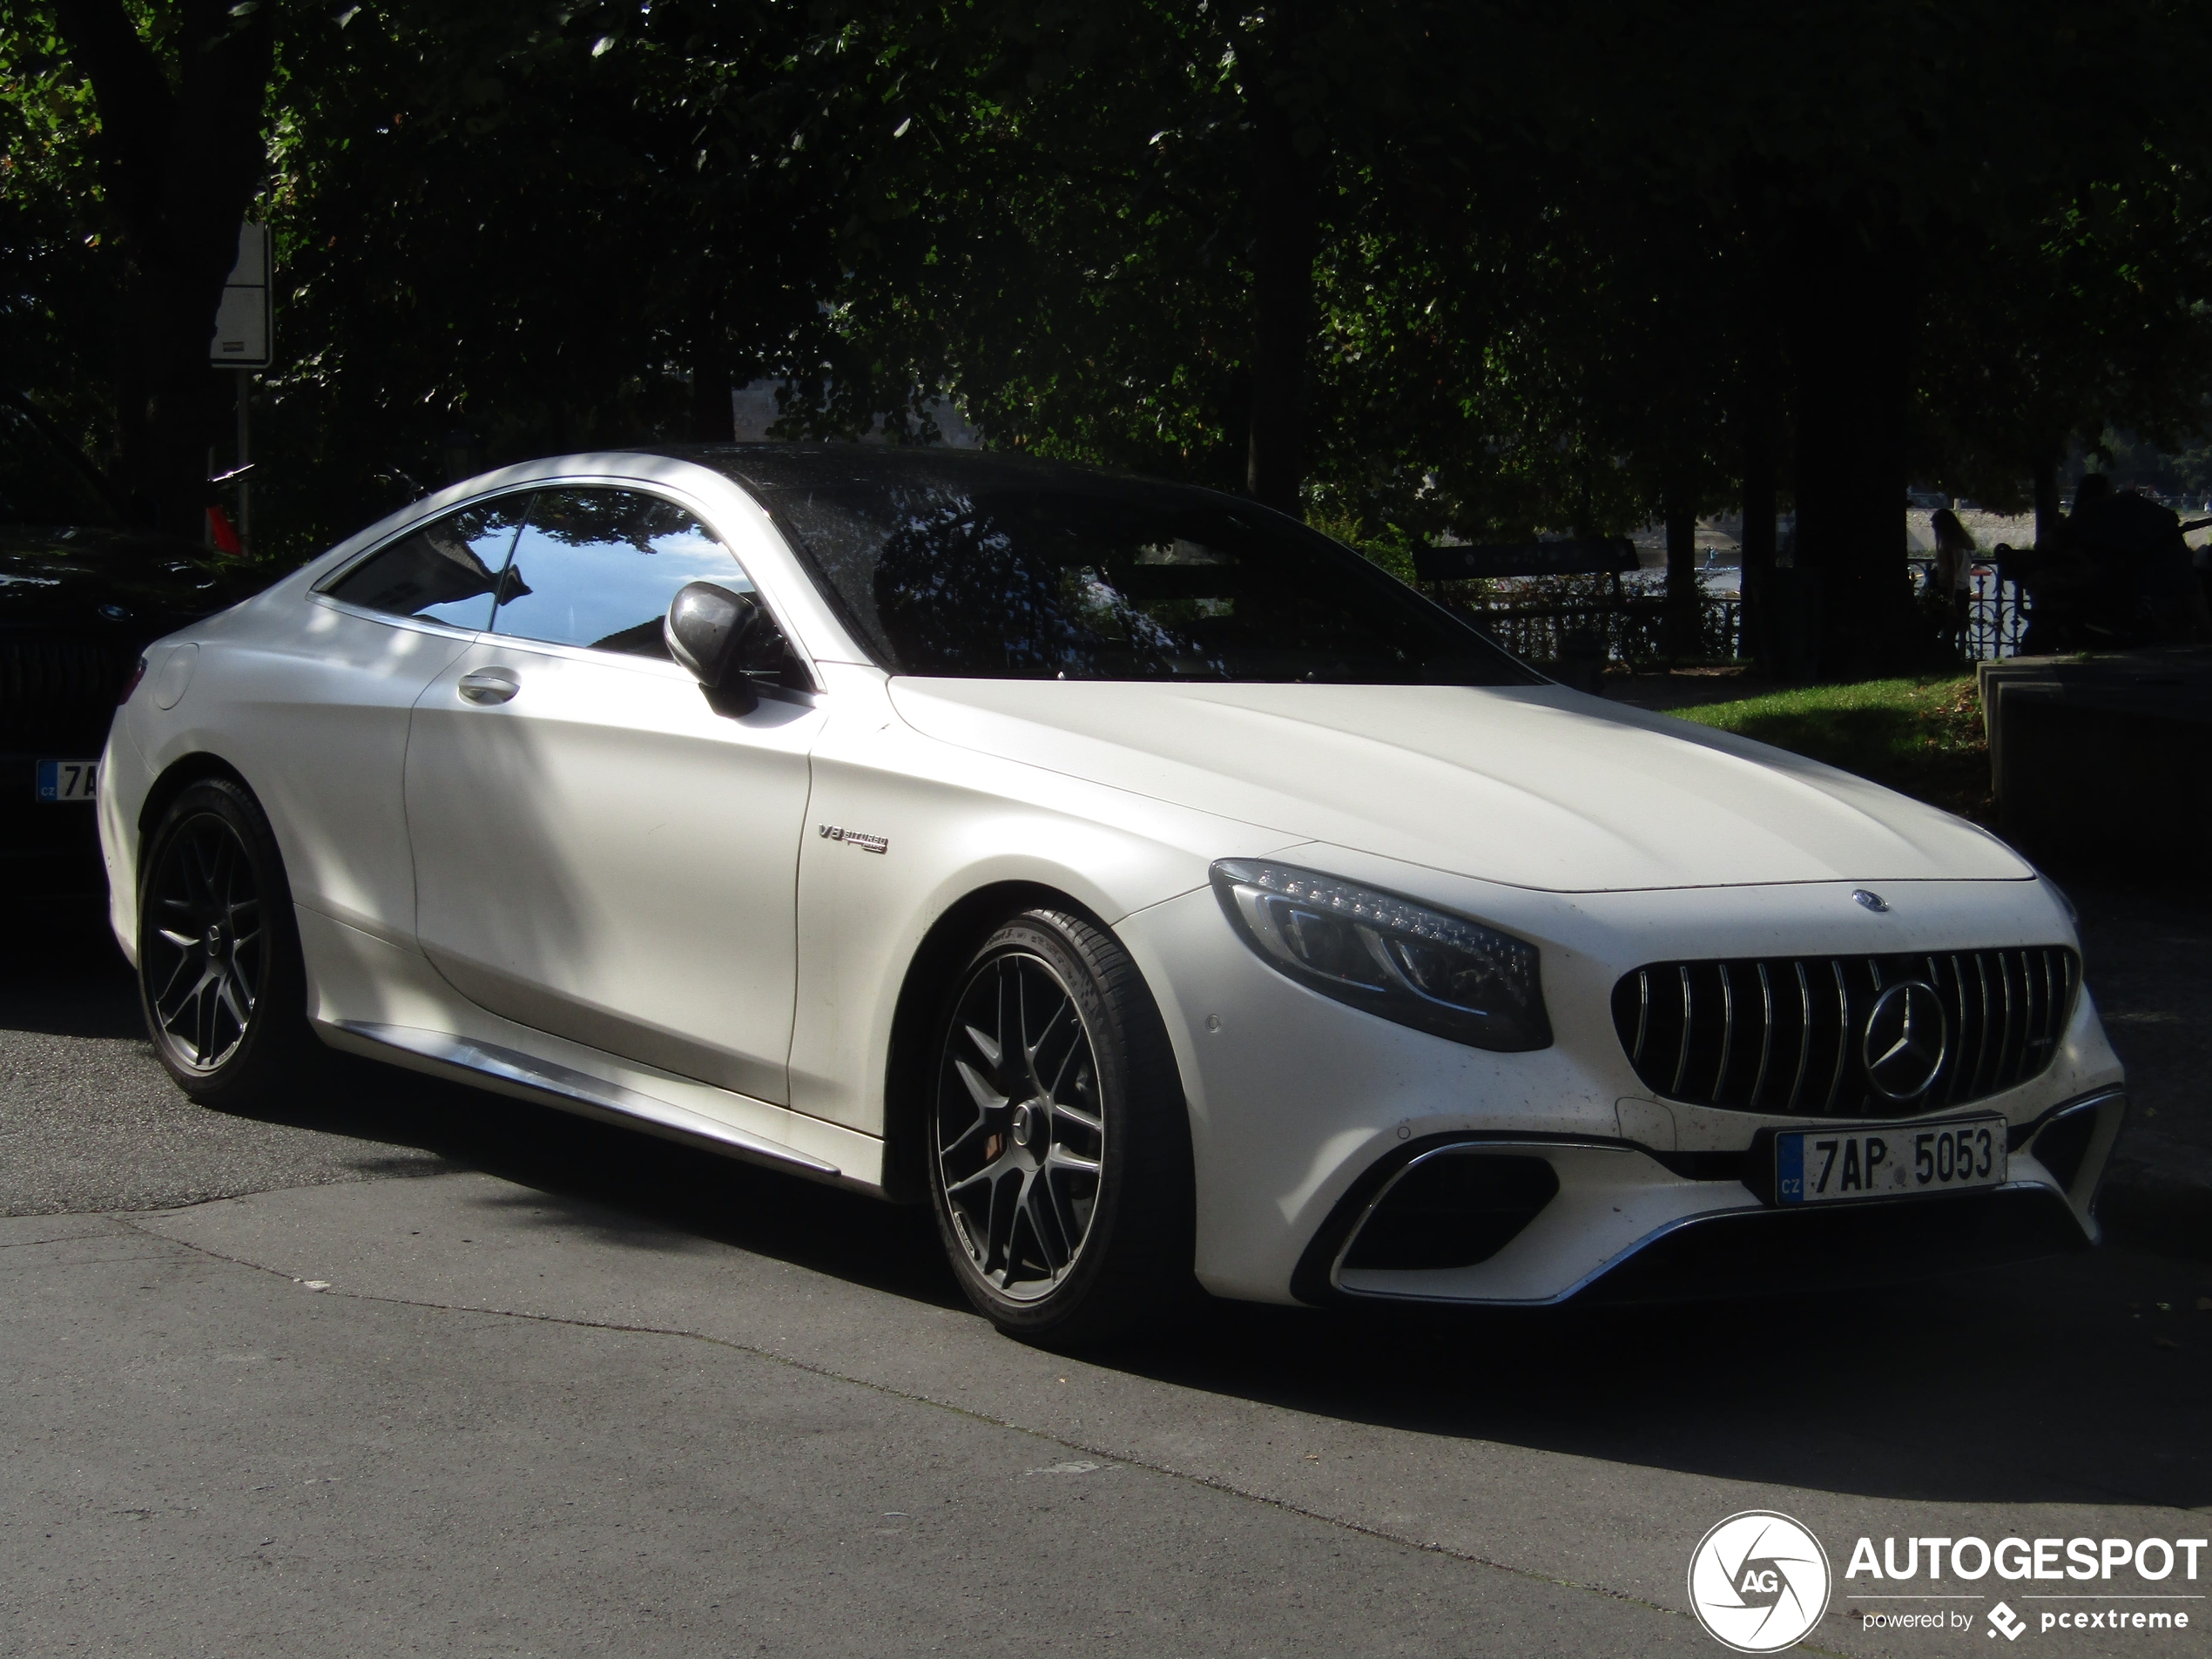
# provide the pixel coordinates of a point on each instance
(1905, 1037)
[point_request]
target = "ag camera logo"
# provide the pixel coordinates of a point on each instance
(1758, 1582)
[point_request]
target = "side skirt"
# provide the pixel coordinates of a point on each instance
(487, 1065)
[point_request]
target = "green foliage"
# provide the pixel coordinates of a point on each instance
(1391, 549)
(2183, 472)
(535, 227)
(1921, 736)
(1557, 244)
(54, 289)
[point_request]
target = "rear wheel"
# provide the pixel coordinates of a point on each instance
(1059, 1151)
(219, 974)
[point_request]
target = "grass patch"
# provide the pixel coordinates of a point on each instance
(1922, 736)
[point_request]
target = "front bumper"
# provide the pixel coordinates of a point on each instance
(1303, 1109)
(1664, 1235)
(48, 849)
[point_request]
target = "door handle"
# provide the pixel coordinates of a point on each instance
(488, 685)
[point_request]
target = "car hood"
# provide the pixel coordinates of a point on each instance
(88, 577)
(1536, 786)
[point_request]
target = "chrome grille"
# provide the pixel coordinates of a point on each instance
(1786, 1035)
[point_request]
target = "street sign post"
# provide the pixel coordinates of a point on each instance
(243, 337)
(245, 340)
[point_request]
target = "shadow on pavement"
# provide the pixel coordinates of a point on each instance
(2062, 1380)
(611, 1173)
(75, 981)
(82, 988)
(2079, 1379)
(2147, 955)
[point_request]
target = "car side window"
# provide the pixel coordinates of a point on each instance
(599, 567)
(445, 571)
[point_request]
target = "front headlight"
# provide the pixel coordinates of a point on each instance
(1422, 967)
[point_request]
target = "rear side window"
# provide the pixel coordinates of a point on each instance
(599, 567)
(445, 571)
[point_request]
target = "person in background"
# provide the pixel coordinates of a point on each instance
(2149, 579)
(2064, 575)
(1954, 566)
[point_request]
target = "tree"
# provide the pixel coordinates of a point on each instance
(2097, 315)
(181, 97)
(57, 306)
(1411, 268)
(1111, 226)
(1874, 163)
(547, 226)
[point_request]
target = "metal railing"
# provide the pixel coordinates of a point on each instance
(1536, 619)
(1631, 629)
(1635, 627)
(1997, 612)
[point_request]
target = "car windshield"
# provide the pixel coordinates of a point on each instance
(994, 572)
(40, 481)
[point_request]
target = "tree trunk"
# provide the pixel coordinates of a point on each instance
(180, 168)
(1285, 235)
(2047, 518)
(1849, 335)
(713, 416)
(1683, 609)
(1762, 450)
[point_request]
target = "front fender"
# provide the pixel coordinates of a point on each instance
(902, 828)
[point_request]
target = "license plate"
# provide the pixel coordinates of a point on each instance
(61, 780)
(1821, 1166)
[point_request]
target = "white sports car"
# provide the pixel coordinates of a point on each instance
(1150, 885)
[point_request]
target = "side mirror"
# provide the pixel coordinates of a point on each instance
(706, 629)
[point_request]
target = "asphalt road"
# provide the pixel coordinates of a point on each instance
(410, 1369)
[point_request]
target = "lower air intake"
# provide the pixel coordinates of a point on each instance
(1451, 1210)
(2062, 1146)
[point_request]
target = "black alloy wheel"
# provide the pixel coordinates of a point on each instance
(220, 974)
(1059, 1147)
(1021, 1175)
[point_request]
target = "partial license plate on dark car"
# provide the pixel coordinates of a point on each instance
(67, 780)
(1822, 1166)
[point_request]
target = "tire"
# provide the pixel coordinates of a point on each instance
(1059, 1148)
(220, 979)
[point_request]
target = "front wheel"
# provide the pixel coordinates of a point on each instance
(220, 979)
(1059, 1148)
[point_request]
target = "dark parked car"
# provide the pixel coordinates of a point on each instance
(82, 593)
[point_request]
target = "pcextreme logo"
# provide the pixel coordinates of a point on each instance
(1758, 1582)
